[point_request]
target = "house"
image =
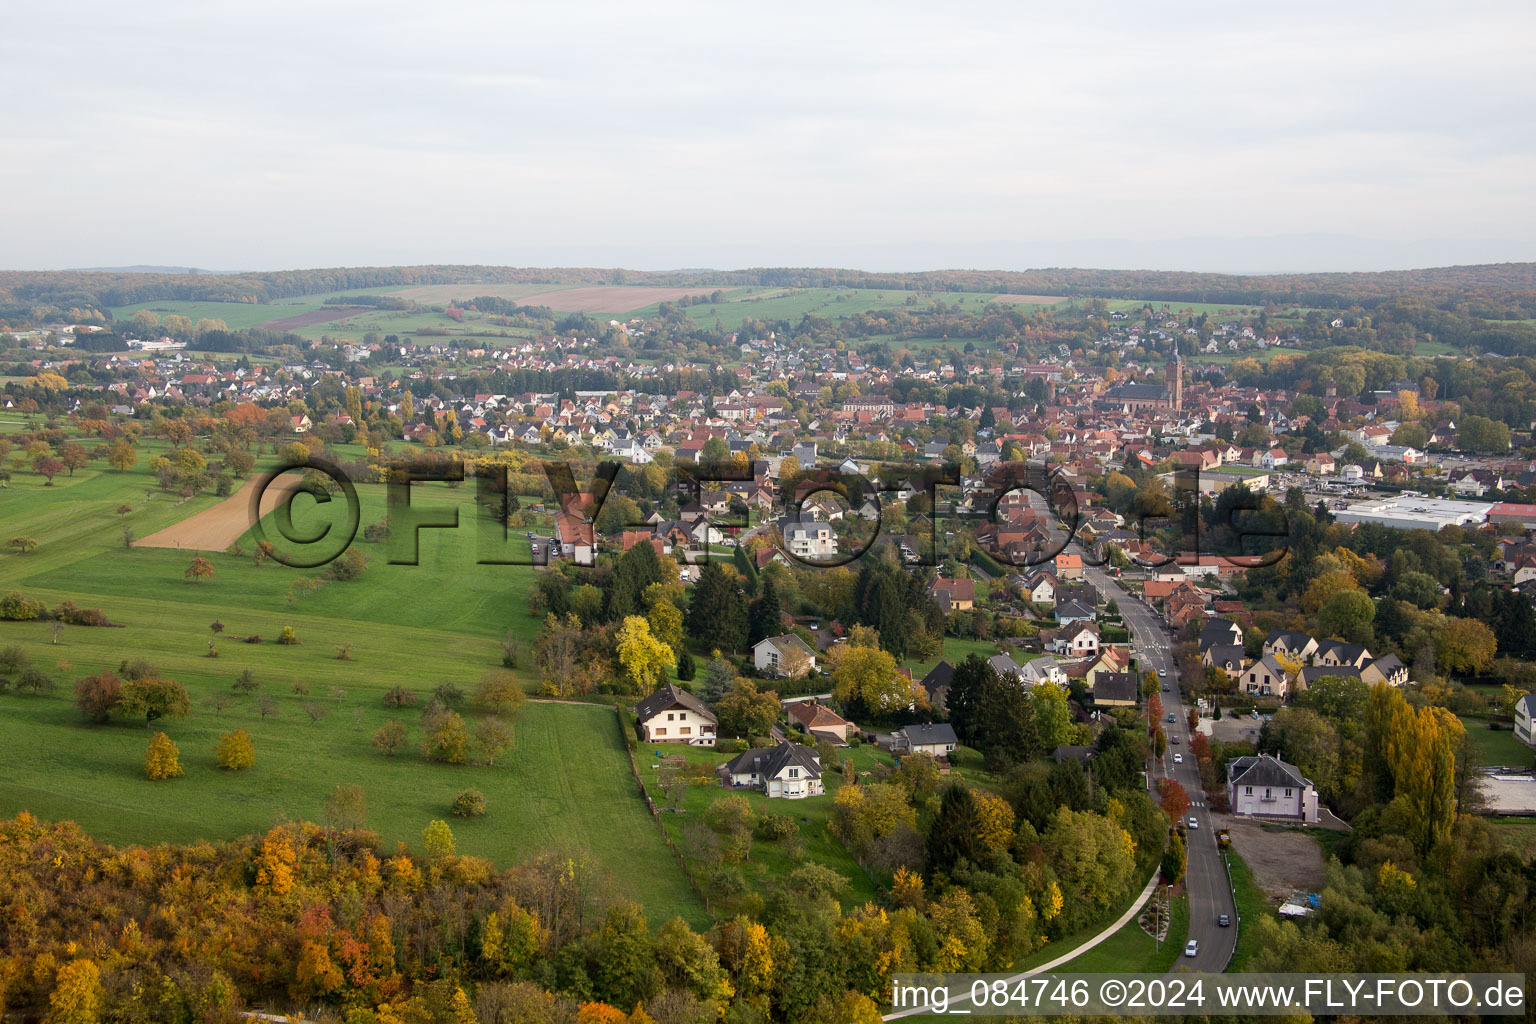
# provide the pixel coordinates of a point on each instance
(1081, 640)
(1299, 646)
(787, 770)
(936, 740)
(1005, 666)
(1525, 719)
(1227, 657)
(1069, 566)
(937, 682)
(1041, 588)
(1073, 611)
(671, 715)
(1043, 670)
(1220, 633)
(1337, 653)
(1266, 787)
(810, 540)
(778, 655)
(1265, 678)
(1116, 689)
(1389, 669)
(953, 595)
(820, 721)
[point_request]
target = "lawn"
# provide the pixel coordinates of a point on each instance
(1496, 747)
(955, 651)
(768, 860)
(1251, 905)
(567, 785)
(1132, 950)
(1518, 833)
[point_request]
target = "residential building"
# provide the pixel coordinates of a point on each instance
(789, 771)
(773, 656)
(1267, 787)
(937, 740)
(671, 715)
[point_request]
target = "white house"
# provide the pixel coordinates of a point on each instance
(1267, 787)
(1043, 670)
(671, 715)
(1525, 720)
(1265, 678)
(788, 770)
(770, 654)
(810, 540)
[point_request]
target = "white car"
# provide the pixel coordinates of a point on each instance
(1194, 822)
(1192, 947)
(1178, 758)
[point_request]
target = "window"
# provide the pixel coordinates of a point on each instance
(661, 730)
(685, 730)
(669, 716)
(794, 773)
(1247, 791)
(1288, 791)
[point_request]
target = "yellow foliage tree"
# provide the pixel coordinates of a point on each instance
(162, 760)
(77, 994)
(996, 818)
(274, 865)
(235, 751)
(643, 657)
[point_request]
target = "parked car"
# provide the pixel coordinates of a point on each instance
(1192, 947)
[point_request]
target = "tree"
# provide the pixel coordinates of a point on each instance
(390, 738)
(23, 544)
(718, 678)
(717, 613)
(1174, 860)
(765, 618)
(200, 569)
(445, 737)
(1481, 434)
(1173, 800)
(437, 840)
(97, 696)
(1095, 862)
(77, 994)
(468, 804)
(666, 624)
(235, 751)
(493, 737)
(162, 760)
(346, 809)
(154, 698)
(868, 675)
(500, 693)
(955, 837)
(686, 670)
(49, 467)
(746, 712)
(1467, 646)
(645, 659)
(1347, 615)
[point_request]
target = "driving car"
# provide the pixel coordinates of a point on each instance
(1194, 822)
(1192, 947)
(1174, 740)
(1172, 717)
(1167, 688)
(1178, 758)
(1224, 921)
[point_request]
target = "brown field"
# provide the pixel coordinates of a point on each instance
(1031, 300)
(431, 294)
(318, 316)
(216, 528)
(609, 298)
(1282, 859)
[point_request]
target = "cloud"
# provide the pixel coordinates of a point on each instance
(303, 134)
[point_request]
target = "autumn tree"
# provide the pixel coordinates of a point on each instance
(493, 737)
(444, 736)
(77, 994)
(200, 569)
(235, 751)
(1172, 798)
(868, 675)
(500, 693)
(97, 696)
(154, 698)
(390, 738)
(437, 840)
(746, 712)
(162, 760)
(1467, 647)
(645, 659)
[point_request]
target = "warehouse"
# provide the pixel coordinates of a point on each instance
(1411, 512)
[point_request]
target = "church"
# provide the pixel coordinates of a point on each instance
(1133, 397)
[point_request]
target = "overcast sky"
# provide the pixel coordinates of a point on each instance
(1210, 136)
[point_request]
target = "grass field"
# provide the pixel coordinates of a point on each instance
(768, 860)
(1518, 833)
(955, 651)
(567, 783)
(1251, 905)
(1496, 747)
(1132, 950)
(793, 303)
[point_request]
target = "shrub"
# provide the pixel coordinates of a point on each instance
(777, 826)
(162, 760)
(468, 804)
(20, 609)
(390, 738)
(448, 694)
(235, 751)
(252, 639)
(288, 636)
(399, 697)
(67, 612)
(35, 681)
(349, 566)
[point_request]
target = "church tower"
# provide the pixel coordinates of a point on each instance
(1173, 378)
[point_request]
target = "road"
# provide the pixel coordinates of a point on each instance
(1205, 876)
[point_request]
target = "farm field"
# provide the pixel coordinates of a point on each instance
(566, 783)
(793, 303)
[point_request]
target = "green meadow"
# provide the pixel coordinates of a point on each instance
(565, 786)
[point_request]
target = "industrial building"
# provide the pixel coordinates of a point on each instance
(1412, 512)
